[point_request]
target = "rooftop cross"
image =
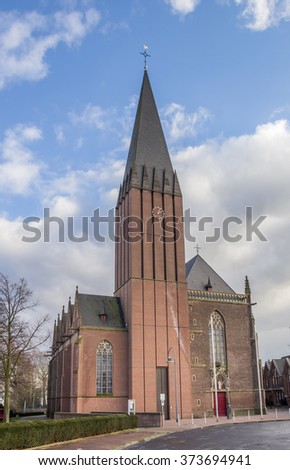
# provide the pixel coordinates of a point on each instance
(197, 248)
(145, 54)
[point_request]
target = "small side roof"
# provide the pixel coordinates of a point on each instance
(91, 308)
(199, 273)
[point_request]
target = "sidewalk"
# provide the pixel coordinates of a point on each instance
(123, 439)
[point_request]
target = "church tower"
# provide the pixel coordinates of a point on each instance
(150, 277)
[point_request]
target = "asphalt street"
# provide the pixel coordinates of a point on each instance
(245, 436)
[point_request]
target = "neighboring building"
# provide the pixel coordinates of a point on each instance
(168, 326)
(286, 380)
(276, 381)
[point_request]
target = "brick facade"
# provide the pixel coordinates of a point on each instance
(156, 326)
(241, 384)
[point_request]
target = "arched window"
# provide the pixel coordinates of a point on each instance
(216, 329)
(104, 368)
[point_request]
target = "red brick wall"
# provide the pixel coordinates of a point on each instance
(241, 360)
(87, 400)
(153, 294)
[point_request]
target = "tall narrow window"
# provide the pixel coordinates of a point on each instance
(217, 338)
(104, 368)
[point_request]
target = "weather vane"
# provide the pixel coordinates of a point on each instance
(145, 54)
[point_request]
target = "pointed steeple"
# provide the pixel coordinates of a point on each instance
(148, 146)
(248, 289)
(247, 286)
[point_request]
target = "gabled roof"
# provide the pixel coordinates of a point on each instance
(148, 146)
(199, 273)
(278, 364)
(92, 307)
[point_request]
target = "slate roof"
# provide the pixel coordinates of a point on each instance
(198, 273)
(91, 306)
(148, 146)
(148, 165)
(279, 365)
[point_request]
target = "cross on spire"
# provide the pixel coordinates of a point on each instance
(145, 54)
(197, 248)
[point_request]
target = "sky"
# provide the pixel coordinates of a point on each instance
(70, 77)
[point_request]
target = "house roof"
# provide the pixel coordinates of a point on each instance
(199, 274)
(279, 365)
(91, 308)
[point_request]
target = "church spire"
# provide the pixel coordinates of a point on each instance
(247, 286)
(148, 146)
(149, 272)
(248, 289)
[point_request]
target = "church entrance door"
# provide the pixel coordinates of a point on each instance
(162, 390)
(222, 403)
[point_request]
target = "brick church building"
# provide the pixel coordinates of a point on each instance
(174, 337)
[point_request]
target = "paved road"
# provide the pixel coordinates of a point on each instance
(245, 436)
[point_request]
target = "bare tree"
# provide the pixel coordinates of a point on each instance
(41, 366)
(17, 335)
(23, 384)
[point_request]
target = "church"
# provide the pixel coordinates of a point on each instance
(174, 338)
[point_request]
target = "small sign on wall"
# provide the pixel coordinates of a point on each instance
(131, 407)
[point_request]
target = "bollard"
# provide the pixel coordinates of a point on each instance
(234, 416)
(192, 420)
(204, 417)
(276, 413)
(249, 415)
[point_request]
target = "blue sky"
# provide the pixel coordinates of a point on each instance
(70, 76)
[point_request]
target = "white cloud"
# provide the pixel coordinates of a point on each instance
(220, 179)
(110, 27)
(258, 14)
(182, 7)
(263, 14)
(18, 168)
(25, 40)
(77, 191)
(241, 170)
(93, 116)
(64, 206)
(62, 266)
(180, 124)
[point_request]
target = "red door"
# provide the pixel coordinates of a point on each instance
(222, 403)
